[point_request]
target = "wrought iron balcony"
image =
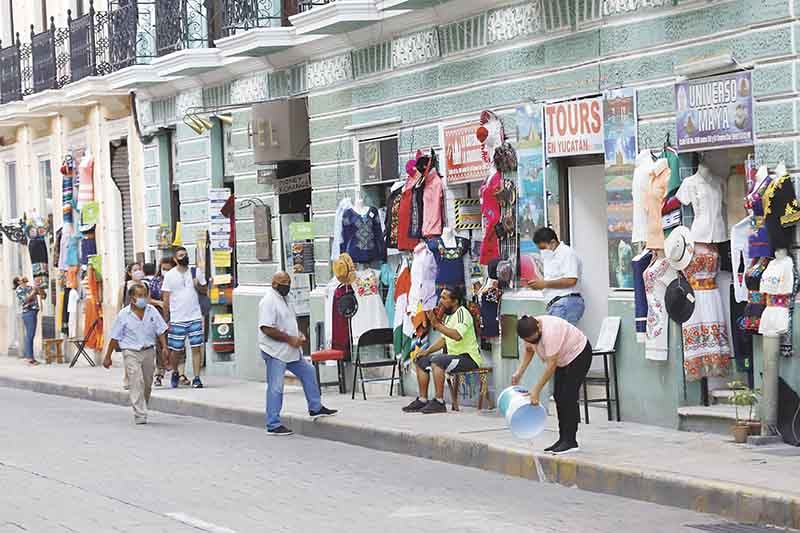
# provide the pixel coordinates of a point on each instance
(241, 15)
(10, 76)
(88, 44)
(132, 32)
(181, 25)
(49, 60)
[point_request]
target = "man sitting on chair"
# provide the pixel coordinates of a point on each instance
(458, 336)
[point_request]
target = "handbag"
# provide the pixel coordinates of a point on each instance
(505, 158)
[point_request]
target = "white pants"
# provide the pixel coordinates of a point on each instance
(140, 366)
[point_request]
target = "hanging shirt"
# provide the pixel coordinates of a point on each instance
(641, 182)
(404, 240)
(705, 194)
(740, 257)
(371, 312)
(362, 236)
(781, 210)
(344, 205)
(449, 261)
(432, 199)
(423, 280)
(490, 211)
(392, 222)
(387, 278)
(654, 199)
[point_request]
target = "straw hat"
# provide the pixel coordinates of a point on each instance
(679, 247)
(344, 270)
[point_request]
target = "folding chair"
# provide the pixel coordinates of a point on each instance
(80, 345)
(377, 337)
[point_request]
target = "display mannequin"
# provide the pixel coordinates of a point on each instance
(449, 237)
(451, 253)
(491, 135)
(359, 207)
(777, 284)
(705, 193)
(362, 233)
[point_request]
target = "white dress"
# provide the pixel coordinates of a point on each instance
(371, 312)
(777, 283)
(656, 279)
(423, 280)
(641, 181)
(706, 195)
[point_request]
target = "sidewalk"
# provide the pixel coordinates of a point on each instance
(702, 472)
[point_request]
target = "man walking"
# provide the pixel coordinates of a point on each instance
(280, 342)
(182, 307)
(562, 274)
(136, 330)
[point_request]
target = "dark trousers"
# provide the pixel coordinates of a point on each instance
(567, 389)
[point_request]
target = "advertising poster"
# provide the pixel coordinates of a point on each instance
(715, 112)
(530, 156)
(574, 127)
(463, 155)
(619, 117)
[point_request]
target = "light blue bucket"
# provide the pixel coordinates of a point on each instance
(525, 420)
(505, 397)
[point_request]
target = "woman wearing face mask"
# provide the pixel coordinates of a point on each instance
(28, 298)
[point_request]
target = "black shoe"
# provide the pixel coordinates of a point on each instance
(415, 407)
(158, 381)
(280, 431)
(565, 447)
(196, 383)
(323, 411)
(553, 446)
(434, 406)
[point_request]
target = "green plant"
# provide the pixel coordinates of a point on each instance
(744, 397)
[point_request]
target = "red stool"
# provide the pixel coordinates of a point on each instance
(330, 355)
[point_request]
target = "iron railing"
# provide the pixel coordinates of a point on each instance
(132, 32)
(180, 25)
(10, 77)
(306, 5)
(243, 15)
(50, 60)
(88, 44)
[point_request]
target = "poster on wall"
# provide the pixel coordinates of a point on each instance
(530, 202)
(715, 112)
(463, 155)
(619, 117)
(574, 127)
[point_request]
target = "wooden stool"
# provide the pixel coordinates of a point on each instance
(53, 350)
(454, 382)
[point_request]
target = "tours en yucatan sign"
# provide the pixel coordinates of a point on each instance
(574, 127)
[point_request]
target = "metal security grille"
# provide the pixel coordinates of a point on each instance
(217, 96)
(463, 35)
(373, 59)
(121, 177)
(297, 79)
(164, 110)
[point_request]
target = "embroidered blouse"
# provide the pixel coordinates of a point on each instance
(362, 236)
(450, 261)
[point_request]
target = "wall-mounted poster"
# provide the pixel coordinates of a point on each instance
(715, 112)
(574, 127)
(463, 154)
(619, 117)
(530, 203)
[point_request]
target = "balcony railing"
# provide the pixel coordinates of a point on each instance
(242, 15)
(180, 25)
(132, 32)
(50, 59)
(88, 44)
(10, 77)
(306, 5)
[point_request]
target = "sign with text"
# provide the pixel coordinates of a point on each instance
(715, 112)
(574, 127)
(291, 184)
(463, 154)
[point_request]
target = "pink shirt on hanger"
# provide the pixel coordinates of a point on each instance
(654, 200)
(432, 201)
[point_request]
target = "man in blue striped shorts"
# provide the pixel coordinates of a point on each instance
(182, 307)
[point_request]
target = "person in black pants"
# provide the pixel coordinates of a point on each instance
(567, 355)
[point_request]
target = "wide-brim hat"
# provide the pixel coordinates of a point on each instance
(347, 305)
(679, 247)
(344, 270)
(679, 300)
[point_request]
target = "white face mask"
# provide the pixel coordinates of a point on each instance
(547, 254)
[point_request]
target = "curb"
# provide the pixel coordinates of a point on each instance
(734, 502)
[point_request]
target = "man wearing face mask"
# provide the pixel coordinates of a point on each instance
(281, 345)
(182, 307)
(135, 331)
(562, 273)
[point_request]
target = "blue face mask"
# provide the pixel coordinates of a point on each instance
(141, 303)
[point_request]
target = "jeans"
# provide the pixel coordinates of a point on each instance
(276, 369)
(570, 308)
(29, 318)
(566, 392)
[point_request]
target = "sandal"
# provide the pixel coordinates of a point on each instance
(184, 380)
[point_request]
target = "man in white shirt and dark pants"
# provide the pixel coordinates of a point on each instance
(136, 330)
(280, 342)
(562, 277)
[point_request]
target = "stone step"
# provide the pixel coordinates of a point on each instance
(713, 419)
(722, 396)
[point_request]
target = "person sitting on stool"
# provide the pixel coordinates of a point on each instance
(562, 274)
(463, 353)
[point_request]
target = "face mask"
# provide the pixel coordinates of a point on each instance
(184, 261)
(141, 303)
(138, 275)
(547, 254)
(283, 290)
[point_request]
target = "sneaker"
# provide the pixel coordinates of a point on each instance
(196, 383)
(173, 380)
(140, 421)
(184, 380)
(280, 431)
(323, 411)
(415, 407)
(158, 381)
(553, 446)
(434, 406)
(565, 447)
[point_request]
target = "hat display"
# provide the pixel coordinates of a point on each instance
(344, 270)
(347, 305)
(679, 248)
(679, 299)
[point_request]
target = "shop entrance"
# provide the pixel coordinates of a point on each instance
(588, 223)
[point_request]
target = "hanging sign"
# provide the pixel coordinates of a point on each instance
(463, 155)
(293, 184)
(574, 127)
(715, 112)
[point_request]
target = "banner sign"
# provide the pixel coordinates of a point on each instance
(619, 118)
(463, 155)
(715, 112)
(574, 127)
(530, 197)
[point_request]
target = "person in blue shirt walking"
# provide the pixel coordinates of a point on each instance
(135, 332)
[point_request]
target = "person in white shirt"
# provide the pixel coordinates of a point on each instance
(280, 342)
(562, 277)
(182, 307)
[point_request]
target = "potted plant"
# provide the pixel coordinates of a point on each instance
(743, 397)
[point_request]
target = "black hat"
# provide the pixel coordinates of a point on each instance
(679, 299)
(347, 305)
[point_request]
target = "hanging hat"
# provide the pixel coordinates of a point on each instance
(679, 299)
(347, 304)
(505, 271)
(679, 247)
(344, 270)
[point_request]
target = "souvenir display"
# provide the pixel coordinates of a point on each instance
(777, 286)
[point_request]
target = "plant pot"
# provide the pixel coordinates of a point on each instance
(755, 427)
(740, 432)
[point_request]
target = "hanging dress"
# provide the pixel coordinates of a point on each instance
(656, 279)
(751, 316)
(490, 210)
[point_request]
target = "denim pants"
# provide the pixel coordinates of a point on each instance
(29, 318)
(570, 308)
(276, 370)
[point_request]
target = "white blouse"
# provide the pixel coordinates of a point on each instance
(706, 195)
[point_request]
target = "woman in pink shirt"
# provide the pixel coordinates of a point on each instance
(567, 354)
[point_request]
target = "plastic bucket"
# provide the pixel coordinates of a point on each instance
(525, 420)
(505, 397)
